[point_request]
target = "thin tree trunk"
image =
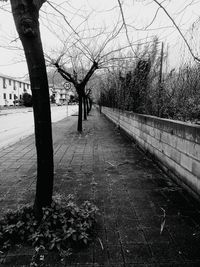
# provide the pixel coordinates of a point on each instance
(90, 101)
(87, 103)
(85, 107)
(26, 15)
(80, 112)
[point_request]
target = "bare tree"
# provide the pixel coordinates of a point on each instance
(26, 15)
(79, 84)
(84, 51)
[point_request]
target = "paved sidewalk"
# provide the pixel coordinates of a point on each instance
(131, 192)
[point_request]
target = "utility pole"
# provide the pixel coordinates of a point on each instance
(160, 82)
(161, 64)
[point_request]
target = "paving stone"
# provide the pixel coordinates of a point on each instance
(115, 254)
(131, 235)
(137, 253)
(166, 252)
(100, 254)
(17, 260)
(153, 234)
(112, 237)
(136, 265)
(102, 166)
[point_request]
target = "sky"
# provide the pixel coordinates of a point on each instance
(93, 21)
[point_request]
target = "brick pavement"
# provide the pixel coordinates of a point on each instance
(131, 192)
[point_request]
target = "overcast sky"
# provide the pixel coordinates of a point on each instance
(103, 16)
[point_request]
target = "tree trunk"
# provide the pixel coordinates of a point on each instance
(80, 112)
(85, 107)
(26, 13)
(87, 103)
(90, 104)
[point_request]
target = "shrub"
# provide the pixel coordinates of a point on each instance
(64, 226)
(27, 100)
(140, 89)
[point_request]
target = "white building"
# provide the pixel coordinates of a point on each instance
(12, 89)
(61, 93)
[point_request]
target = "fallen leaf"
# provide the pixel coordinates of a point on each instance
(163, 220)
(101, 243)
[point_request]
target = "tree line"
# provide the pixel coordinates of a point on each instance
(138, 88)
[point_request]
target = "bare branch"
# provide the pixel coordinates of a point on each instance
(124, 23)
(90, 73)
(67, 22)
(178, 29)
(152, 21)
(66, 75)
(38, 3)
(63, 17)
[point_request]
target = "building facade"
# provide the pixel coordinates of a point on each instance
(11, 90)
(60, 93)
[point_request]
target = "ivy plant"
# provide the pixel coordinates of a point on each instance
(64, 225)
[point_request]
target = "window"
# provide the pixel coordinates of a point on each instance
(20, 96)
(9, 81)
(14, 85)
(10, 96)
(4, 96)
(4, 83)
(20, 84)
(24, 86)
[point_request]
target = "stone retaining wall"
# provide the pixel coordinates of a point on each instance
(176, 145)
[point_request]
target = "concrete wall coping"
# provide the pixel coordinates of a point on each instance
(184, 130)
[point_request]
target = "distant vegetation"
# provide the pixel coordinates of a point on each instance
(138, 87)
(27, 100)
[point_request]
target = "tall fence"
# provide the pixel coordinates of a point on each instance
(174, 144)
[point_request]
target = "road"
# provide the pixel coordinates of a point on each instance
(18, 124)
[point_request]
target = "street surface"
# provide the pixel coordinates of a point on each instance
(16, 124)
